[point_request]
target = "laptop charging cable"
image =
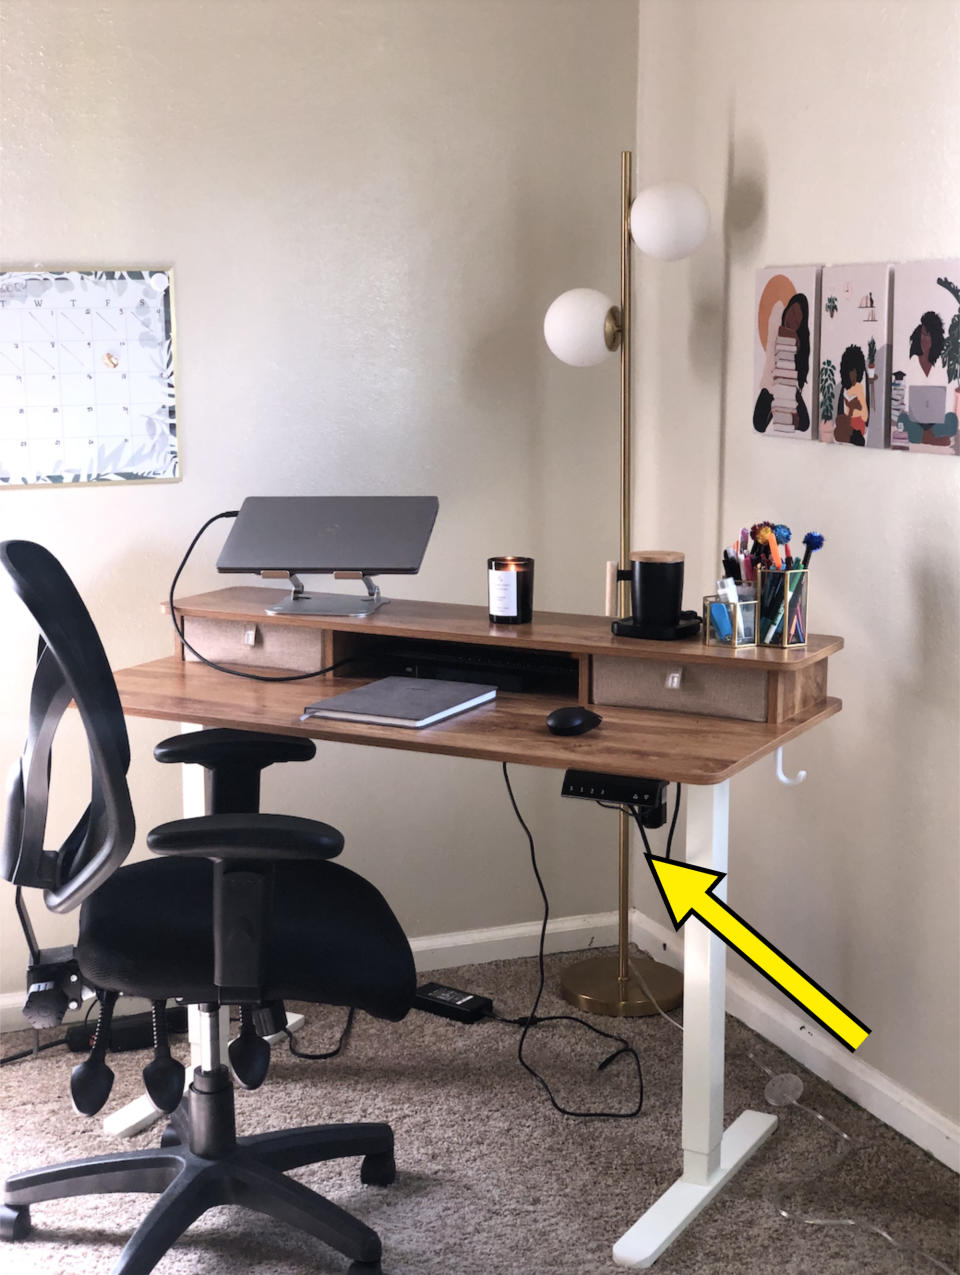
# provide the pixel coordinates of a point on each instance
(179, 626)
(469, 1007)
(533, 1019)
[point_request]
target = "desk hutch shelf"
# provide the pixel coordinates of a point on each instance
(731, 706)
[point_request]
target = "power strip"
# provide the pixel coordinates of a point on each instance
(619, 789)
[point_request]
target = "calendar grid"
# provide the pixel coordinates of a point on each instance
(87, 391)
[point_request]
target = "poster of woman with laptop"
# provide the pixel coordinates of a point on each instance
(925, 360)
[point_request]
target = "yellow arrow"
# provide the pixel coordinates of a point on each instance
(687, 890)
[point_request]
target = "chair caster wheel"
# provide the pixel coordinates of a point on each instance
(378, 1170)
(14, 1221)
(364, 1268)
(171, 1137)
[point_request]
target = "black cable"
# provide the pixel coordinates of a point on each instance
(299, 1053)
(673, 821)
(643, 832)
(29, 1053)
(178, 628)
(533, 1020)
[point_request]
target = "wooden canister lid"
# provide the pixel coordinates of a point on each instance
(656, 555)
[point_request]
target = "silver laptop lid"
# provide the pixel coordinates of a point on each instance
(377, 535)
(927, 403)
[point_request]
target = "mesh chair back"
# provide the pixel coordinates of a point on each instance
(71, 665)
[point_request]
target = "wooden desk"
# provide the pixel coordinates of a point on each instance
(786, 689)
(689, 747)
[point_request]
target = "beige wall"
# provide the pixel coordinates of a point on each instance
(821, 132)
(368, 206)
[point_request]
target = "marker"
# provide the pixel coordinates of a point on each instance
(728, 591)
(721, 621)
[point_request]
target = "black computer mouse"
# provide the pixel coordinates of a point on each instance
(572, 721)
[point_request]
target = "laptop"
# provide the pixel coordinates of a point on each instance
(329, 535)
(927, 404)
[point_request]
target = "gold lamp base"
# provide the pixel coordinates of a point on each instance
(595, 986)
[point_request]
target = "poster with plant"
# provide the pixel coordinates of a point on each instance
(87, 377)
(785, 341)
(925, 365)
(854, 370)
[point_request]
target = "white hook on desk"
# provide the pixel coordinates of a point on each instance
(785, 779)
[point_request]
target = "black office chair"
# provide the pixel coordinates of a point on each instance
(237, 909)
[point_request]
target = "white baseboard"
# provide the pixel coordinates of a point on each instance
(432, 952)
(775, 1019)
(503, 942)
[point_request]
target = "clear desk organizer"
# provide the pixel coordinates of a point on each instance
(732, 624)
(782, 603)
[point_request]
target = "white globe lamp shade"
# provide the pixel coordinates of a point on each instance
(669, 221)
(574, 326)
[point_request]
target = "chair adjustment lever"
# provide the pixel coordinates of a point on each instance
(249, 1053)
(165, 1076)
(92, 1080)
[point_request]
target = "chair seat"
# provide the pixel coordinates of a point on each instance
(333, 938)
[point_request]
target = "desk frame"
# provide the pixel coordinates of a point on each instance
(710, 1156)
(703, 752)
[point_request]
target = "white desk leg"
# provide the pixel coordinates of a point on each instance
(710, 1156)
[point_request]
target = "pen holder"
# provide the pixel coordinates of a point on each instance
(782, 601)
(732, 624)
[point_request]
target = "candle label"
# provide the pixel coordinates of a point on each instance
(503, 592)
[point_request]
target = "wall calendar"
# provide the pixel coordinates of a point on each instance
(86, 377)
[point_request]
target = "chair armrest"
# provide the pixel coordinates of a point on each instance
(246, 836)
(222, 747)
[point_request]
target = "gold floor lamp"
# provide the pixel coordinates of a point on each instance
(583, 327)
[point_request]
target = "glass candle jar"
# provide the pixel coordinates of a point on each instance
(510, 590)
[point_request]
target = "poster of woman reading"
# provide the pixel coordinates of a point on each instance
(783, 350)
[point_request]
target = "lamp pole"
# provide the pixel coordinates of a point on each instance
(601, 985)
(626, 320)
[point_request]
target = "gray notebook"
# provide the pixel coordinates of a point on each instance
(402, 701)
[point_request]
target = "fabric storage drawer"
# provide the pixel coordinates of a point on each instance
(300, 649)
(704, 688)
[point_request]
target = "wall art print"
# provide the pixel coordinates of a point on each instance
(86, 377)
(785, 343)
(854, 370)
(925, 371)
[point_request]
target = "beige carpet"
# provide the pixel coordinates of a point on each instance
(491, 1180)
